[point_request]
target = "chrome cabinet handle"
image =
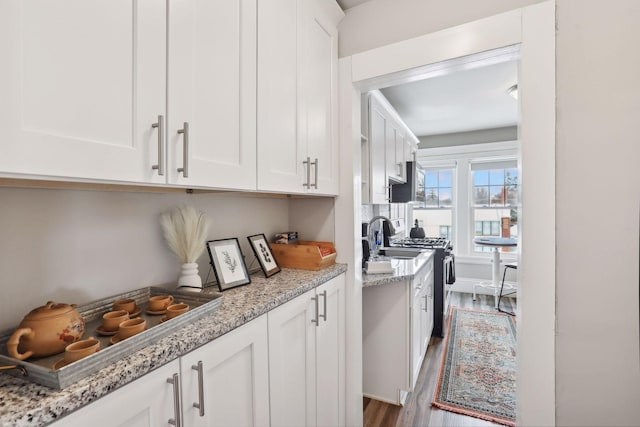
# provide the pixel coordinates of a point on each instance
(324, 316)
(200, 404)
(307, 163)
(390, 187)
(160, 125)
(177, 421)
(185, 150)
(316, 320)
(315, 164)
(426, 303)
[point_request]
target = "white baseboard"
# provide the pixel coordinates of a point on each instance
(465, 284)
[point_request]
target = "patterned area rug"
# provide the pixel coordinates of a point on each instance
(478, 373)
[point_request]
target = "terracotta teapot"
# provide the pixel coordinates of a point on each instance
(46, 330)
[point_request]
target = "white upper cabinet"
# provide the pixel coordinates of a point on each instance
(297, 96)
(82, 82)
(389, 146)
(212, 91)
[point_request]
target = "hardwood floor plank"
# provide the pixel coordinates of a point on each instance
(418, 410)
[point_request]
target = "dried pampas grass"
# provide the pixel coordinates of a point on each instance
(185, 231)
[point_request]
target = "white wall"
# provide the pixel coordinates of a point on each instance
(598, 187)
(380, 22)
(75, 246)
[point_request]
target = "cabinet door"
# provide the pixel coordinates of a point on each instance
(235, 372)
(280, 148)
(401, 168)
(146, 402)
(394, 151)
(330, 354)
(82, 83)
(212, 83)
(319, 90)
(377, 135)
(292, 362)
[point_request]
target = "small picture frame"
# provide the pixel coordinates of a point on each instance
(228, 263)
(263, 253)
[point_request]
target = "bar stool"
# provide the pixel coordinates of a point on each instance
(509, 286)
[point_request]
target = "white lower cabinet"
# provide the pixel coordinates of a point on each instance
(306, 358)
(285, 368)
(146, 402)
(226, 382)
(397, 320)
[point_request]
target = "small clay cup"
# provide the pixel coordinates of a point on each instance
(131, 327)
(176, 310)
(81, 349)
(112, 319)
(160, 302)
(127, 304)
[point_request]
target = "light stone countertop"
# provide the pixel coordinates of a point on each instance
(23, 403)
(403, 269)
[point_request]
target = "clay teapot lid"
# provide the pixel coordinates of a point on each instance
(49, 310)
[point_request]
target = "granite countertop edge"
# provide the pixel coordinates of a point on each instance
(23, 403)
(403, 269)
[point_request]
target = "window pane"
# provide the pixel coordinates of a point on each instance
(434, 220)
(445, 231)
(496, 177)
(497, 195)
(431, 198)
(512, 195)
(446, 178)
(445, 197)
(511, 176)
(486, 228)
(480, 178)
(495, 228)
(431, 178)
(481, 196)
(478, 228)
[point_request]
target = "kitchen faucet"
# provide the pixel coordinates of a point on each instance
(373, 244)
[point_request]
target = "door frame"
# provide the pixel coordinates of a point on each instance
(533, 29)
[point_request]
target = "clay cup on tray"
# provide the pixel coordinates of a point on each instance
(81, 349)
(176, 310)
(127, 304)
(160, 302)
(131, 327)
(112, 319)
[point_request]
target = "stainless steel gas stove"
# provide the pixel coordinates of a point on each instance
(443, 274)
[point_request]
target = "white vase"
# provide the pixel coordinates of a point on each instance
(189, 276)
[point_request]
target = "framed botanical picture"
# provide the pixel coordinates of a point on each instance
(228, 263)
(263, 253)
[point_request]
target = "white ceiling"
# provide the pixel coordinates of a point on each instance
(461, 101)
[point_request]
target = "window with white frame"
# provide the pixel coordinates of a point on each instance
(494, 193)
(480, 198)
(435, 214)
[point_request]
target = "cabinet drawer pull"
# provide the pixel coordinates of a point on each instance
(185, 150)
(324, 315)
(316, 320)
(177, 421)
(160, 126)
(307, 164)
(200, 403)
(315, 169)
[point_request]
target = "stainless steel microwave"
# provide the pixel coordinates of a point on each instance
(413, 189)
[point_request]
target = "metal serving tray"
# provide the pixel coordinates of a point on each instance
(41, 371)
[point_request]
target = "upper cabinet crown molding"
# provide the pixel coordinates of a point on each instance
(150, 95)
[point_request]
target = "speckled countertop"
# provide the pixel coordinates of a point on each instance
(403, 269)
(23, 403)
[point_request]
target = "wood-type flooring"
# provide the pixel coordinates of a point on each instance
(418, 411)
